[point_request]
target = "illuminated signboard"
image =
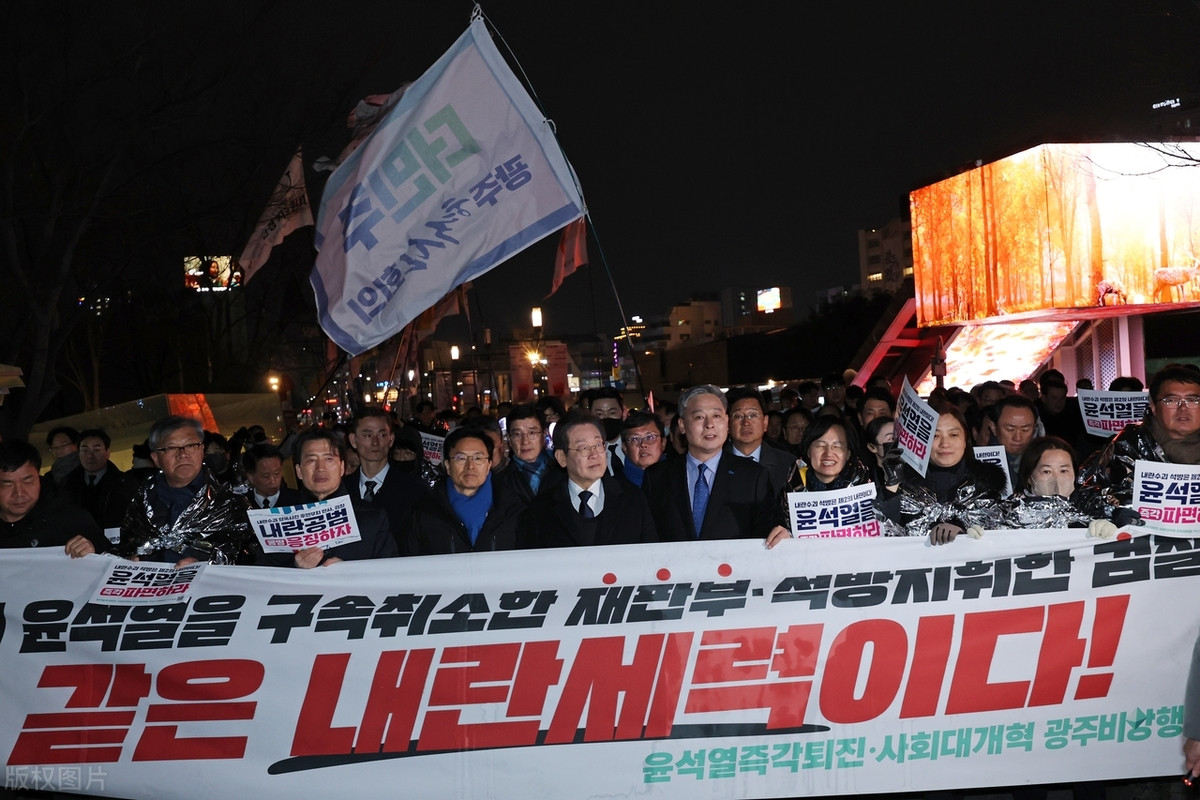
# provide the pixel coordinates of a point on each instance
(1064, 231)
(981, 353)
(210, 273)
(769, 300)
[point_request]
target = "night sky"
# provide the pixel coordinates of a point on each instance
(716, 144)
(750, 144)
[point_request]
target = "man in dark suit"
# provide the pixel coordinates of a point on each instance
(96, 485)
(590, 507)
(747, 429)
(375, 483)
(319, 459)
(709, 494)
(264, 470)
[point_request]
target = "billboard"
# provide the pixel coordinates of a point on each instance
(210, 273)
(769, 300)
(1066, 231)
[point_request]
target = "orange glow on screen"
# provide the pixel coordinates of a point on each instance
(1059, 226)
(998, 352)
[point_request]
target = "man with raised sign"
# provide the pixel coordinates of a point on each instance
(1169, 433)
(320, 457)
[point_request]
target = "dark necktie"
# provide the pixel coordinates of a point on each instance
(369, 494)
(91, 481)
(266, 502)
(585, 510)
(700, 499)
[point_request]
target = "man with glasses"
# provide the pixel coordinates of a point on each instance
(63, 442)
(467, 511)
(643, 443)
(748, 429)
(531, 470)
(590, 507)
(182, 513)
(1169, 433)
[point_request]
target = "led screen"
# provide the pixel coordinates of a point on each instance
(1060, 228)
(981, 353)
(769, 300)
(210, 273)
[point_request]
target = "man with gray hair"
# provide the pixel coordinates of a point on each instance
(182, 513)
(709, 494)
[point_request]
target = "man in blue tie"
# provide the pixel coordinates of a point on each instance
(710, 494)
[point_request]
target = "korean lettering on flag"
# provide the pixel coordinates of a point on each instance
(836, 514)
(135, 583)
(1106, 413)
(1167, 496)
(461, 174)
(324, 524)
(916, 422)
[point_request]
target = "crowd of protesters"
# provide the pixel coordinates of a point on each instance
(716, 464)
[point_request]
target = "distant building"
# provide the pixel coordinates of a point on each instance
(885, 256)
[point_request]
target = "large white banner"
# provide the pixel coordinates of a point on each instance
(690, 670)
(461, 174)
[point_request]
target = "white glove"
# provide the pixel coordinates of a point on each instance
(1101, 529)
(975, 532)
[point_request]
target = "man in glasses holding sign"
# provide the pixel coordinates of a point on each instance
(1169, 433)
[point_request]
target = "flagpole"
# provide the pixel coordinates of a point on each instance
(637, 369)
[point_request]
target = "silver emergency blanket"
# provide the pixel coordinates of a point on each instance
(1033, 511)
(214, 524)
(971, 506)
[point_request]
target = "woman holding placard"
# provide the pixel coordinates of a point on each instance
(955, 493)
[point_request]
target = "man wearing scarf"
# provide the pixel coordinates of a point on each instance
(531, 469)
(1169, 433)
(466, 511)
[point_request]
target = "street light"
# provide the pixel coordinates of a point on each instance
(536, 317)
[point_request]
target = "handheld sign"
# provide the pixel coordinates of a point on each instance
(994, 454)
(1106, 413)
(835, 514)
(1167, 496)
(915, 424)
(139, 583)
(324, 524)
(433, 444)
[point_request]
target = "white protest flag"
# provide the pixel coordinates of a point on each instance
(286, 211)
(461, 174)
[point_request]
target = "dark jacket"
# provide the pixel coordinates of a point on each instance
(107, 501)
(741, 503)
(397, 496)
(52, 523)
(434, 528)
(213, 527)
(778, 463)
(373, 529)
(516, 481)
(1105, 480)
(287, 497)
(553, 521)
